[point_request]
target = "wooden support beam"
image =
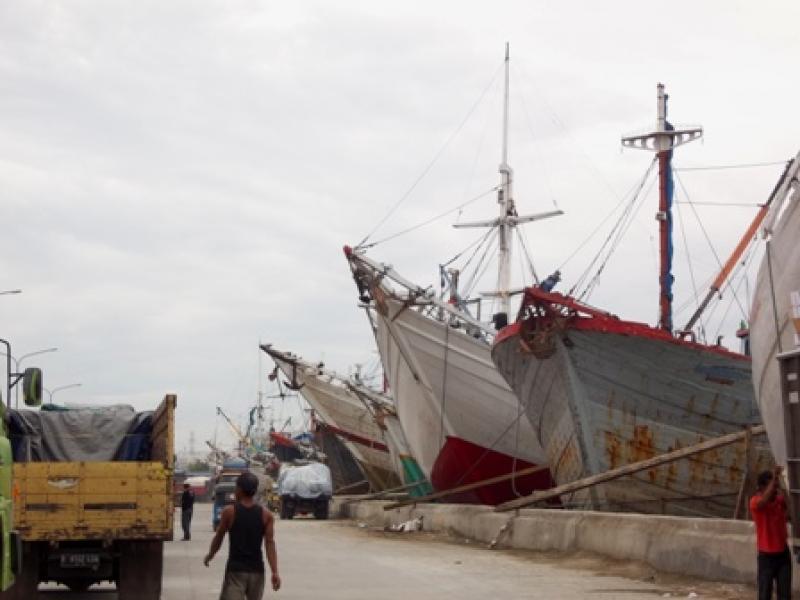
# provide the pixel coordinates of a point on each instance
(468, 487)
(381, 494)
(630, 469)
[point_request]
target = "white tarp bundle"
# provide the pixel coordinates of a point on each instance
(309, 481)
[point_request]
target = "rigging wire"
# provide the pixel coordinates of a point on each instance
(481, 238)
(428, 221)
(527, 254)
(696, 296)
(435, 158)
(741, 204)
(734, 166)
(633, 190)
(481, 267)
(613, 238)
(705, 233)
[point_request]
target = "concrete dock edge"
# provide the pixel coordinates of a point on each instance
(712, 549)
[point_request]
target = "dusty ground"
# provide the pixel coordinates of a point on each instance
(339, 559)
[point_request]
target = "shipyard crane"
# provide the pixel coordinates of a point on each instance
(244, 441)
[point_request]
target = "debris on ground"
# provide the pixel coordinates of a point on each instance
(407, 526)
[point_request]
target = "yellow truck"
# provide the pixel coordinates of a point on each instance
(85, 522)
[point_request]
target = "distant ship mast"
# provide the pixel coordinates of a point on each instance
(662, 141)
(506, 221)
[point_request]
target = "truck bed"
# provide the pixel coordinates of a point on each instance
(61, 501)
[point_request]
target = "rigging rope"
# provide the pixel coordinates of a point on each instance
(523, 244)
(734, 166)
(696, 296)
(615, 236)
(362, 245)
(636, 189)
(705, 233)
(435, 159)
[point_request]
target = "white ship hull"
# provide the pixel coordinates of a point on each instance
(341, 410)
(461, 420)
(771, 328)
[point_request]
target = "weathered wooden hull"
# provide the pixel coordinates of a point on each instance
(771, 327)
(599, 399)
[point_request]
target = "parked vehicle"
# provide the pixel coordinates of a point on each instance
(98, 510)
(11, 545)
(225, 486)
(305, 490)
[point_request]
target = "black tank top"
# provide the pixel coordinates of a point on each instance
(246, 537)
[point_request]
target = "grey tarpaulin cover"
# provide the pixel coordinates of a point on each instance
(309, 481)
(81, 434)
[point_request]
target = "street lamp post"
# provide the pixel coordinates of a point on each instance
(52, 392)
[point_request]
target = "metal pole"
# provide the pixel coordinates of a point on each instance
(8, 371)
(52, 392)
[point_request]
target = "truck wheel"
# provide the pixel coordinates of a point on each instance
(140, 567)
(77, 585)
(287, 509)
(322, 509)
(27, 582)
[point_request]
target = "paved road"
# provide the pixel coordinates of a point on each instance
(337, 560)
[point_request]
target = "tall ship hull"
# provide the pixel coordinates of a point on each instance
(602, 392)
(342, 413)
(774, 317)
(461, 420)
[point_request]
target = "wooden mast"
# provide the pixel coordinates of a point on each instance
(662, 141)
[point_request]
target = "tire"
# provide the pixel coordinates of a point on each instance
(287, 509)
(322, 509)
(141, 565)
(77, 585)
(27, 582)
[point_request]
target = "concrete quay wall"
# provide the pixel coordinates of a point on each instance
(712, 549)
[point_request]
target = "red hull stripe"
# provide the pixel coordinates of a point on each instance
(355, 438)
(586, 318)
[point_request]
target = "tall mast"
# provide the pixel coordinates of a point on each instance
(662, 141)
(506, 202)
(507, 219)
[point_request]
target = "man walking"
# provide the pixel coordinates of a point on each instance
(187, 508)
(247, 524)
(768, 507)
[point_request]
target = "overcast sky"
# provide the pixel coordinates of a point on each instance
(178, 178)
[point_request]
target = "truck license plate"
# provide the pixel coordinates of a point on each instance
(80, 561)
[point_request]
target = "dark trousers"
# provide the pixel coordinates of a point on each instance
(186, 523)
(777, 568)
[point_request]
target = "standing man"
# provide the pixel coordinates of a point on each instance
(187, 508)
(768, 507)
(247, 524)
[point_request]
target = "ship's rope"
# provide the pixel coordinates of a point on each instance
(696, 295)
(705, 234)
(363, 245)
(614, 237)
(734, 166)
(435, 158)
